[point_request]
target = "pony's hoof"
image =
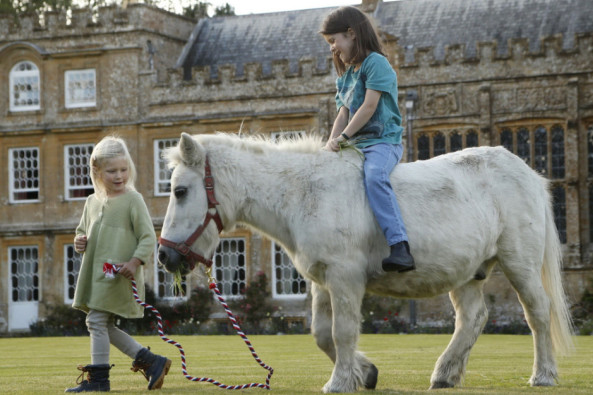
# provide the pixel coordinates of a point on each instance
(370, 381)
(440, 384)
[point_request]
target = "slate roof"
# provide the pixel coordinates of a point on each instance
(293, 35)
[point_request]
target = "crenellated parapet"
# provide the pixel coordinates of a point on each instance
(227, 91)
(519, 58)
(107, 19)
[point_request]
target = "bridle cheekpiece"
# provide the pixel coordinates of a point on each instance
(184, 248)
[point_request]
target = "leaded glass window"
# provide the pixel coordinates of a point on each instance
(423, 147)
(439, 144)
(77, 177)
(24, 273)
(72, 261)
(23, 168)
(540, 160)
(229, 267)
(288, 283)
(506, 139)
(523, 145)
(557, 152)
(471, 139)
(80, 88)
(162, 175)
(559, 197)
(455, 140)
(25, 87)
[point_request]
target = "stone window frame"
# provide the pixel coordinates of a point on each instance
(36, 180)
(72, 263)
(281, 264)
(162, 175)
(72, 103)
(441, 140)
(81, 169)
(229, 267)
(522, 134)
(34, 74)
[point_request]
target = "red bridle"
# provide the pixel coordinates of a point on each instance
(184, 248)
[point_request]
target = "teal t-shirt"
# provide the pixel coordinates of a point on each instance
(377, 74)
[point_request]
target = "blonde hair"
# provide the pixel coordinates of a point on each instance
(108, 148)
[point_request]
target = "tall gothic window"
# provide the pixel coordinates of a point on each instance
(434, 143)
(546, 156)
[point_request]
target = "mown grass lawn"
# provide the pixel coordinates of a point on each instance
(499, 364)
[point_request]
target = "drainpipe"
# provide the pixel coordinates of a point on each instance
(411, 98)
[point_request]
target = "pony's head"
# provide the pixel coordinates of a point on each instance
(188, 235)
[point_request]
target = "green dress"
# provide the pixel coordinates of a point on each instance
(116, 231)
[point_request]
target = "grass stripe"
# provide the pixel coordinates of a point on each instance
(498, 364)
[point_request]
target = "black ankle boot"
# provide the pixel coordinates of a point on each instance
(400, 259)
(97, 379)
(153, 367)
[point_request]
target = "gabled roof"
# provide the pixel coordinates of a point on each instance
(293, 35)
(257, 38)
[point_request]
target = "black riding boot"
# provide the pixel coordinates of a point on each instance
(97, 379)
(153, 367)
(400, 260)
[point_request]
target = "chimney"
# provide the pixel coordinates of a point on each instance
(369, 6)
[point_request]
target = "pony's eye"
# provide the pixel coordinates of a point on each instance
(180, 192)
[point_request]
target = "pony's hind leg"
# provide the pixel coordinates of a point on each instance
(471, 315)
(536, 305)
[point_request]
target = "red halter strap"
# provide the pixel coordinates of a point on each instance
(184, 248)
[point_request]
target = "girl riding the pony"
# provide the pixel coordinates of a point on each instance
(369, 118)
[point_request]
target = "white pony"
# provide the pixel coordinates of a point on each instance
(465, 212)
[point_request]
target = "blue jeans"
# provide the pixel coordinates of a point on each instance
(379, 161)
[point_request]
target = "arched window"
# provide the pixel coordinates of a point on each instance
(557, 152)
(439, 144)
(540, 162)
(455, 141)
(506, 139)
(423, 145)
(24, 87)
(523, 145)
(471, 139)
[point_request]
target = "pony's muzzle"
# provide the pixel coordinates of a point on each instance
(171, 260)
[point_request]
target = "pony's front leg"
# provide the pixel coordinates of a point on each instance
(351, 369)
(321, 325)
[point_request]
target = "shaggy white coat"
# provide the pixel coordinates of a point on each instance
(464, 211)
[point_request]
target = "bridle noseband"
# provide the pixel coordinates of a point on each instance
(184, 248)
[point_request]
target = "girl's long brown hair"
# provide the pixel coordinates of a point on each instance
(367, 39)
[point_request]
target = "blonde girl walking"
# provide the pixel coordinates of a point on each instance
(115, 228)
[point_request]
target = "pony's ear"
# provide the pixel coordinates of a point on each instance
(192, 152)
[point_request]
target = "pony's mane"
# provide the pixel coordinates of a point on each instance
(307, 144)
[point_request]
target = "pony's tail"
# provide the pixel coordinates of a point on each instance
(561, 327)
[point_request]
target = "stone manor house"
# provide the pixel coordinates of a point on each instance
(512, 73)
